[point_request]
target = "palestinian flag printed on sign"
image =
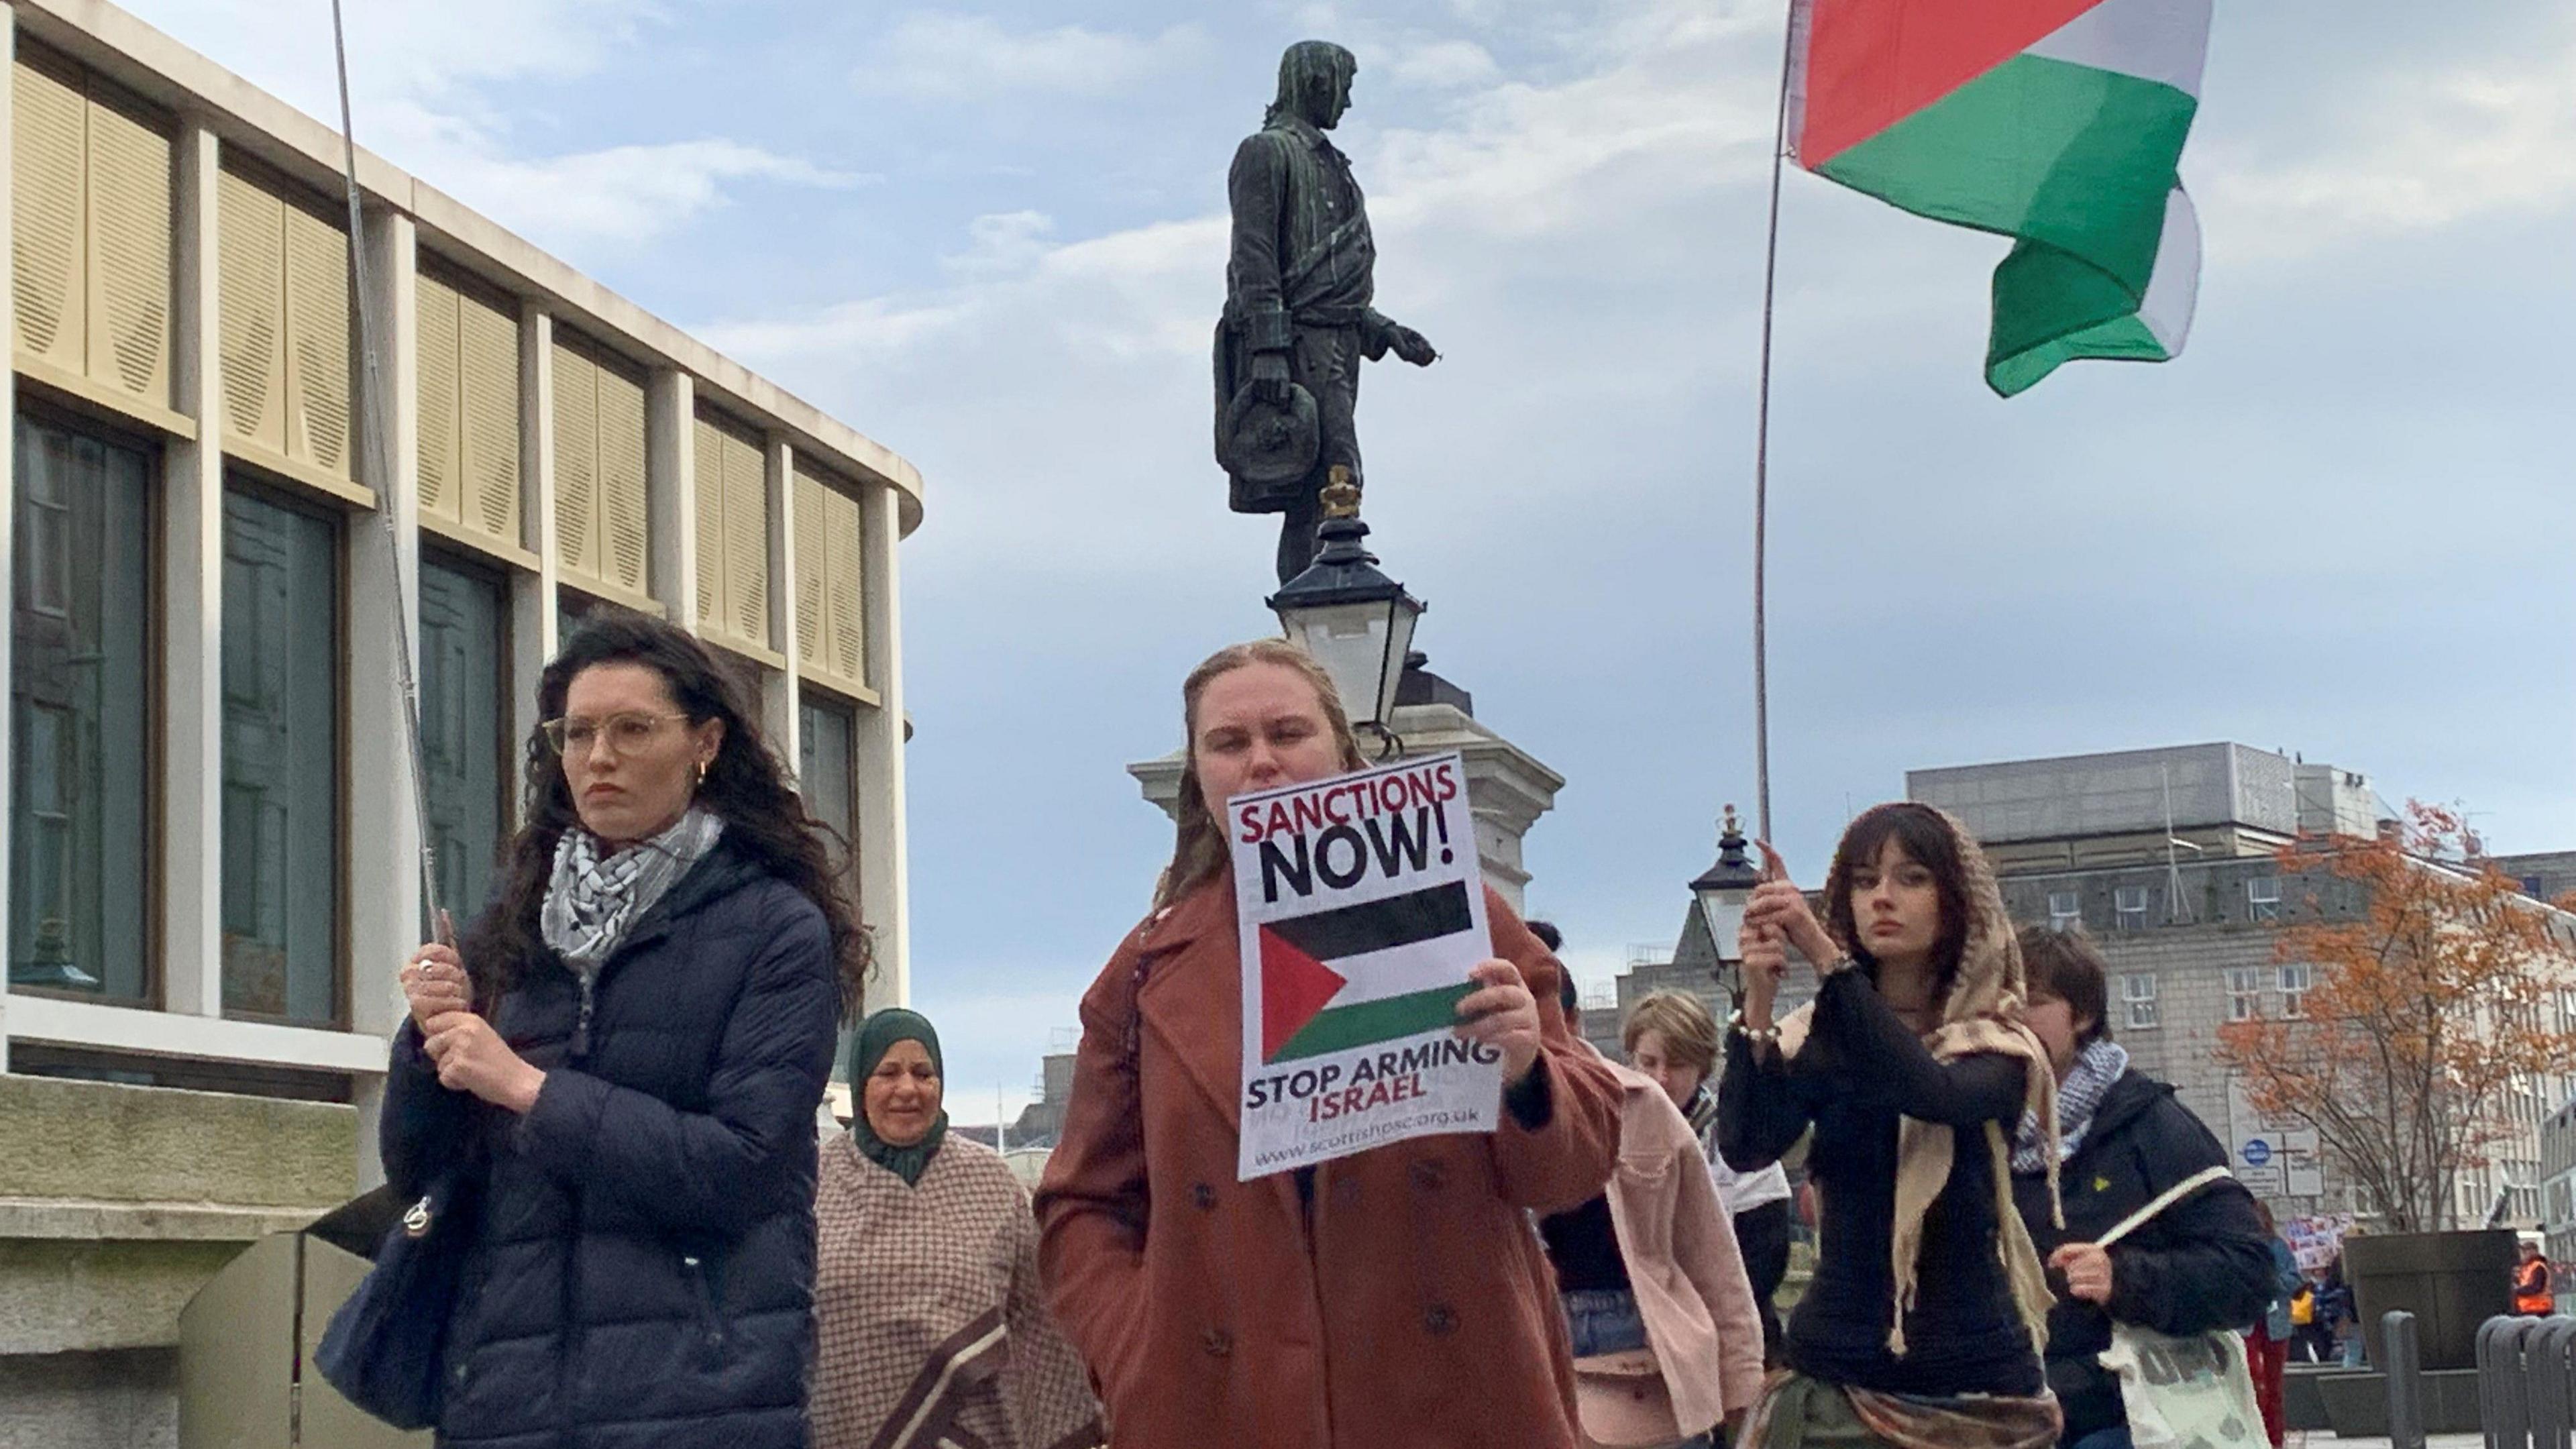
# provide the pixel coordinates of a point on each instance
(1351, 975)
(2059, 123)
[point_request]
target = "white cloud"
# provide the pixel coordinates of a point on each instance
(622, 194)
(1002, 243)
(2409, 150)
(416, 72)
(1440, 64)
(933, 54)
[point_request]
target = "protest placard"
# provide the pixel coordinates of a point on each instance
(1362, 910)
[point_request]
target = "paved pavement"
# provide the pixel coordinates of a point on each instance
(2324, 1440)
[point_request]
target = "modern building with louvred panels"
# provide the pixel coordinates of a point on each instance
(211, 873)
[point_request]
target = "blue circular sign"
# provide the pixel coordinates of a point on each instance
(2257, 1152)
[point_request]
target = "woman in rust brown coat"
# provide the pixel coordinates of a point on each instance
(1394, 1297)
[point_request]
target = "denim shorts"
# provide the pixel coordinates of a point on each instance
(1603, 1320)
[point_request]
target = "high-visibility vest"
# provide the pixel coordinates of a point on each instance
(2531, 1288)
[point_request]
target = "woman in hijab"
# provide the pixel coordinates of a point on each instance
(1924, 1322)
(932, 1328)
(626, 1053)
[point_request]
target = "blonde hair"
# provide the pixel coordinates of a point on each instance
(1198, 846)
(1690, 1032)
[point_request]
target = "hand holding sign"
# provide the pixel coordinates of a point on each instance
(1503, 1015)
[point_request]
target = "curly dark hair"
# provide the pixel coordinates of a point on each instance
(747, 786)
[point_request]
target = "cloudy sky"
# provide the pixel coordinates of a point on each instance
(992, 237)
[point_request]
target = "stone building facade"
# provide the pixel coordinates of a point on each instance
(212, 826)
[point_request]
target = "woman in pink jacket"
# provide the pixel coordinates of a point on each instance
(1667, 1339)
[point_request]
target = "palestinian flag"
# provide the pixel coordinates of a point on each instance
(2057, 122)
(1355, 975)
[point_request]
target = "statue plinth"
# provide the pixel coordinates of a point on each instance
(1507, 788)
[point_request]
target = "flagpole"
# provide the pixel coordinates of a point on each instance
(379, 449)
(1762, 445)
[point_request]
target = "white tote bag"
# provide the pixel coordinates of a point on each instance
(2193, 1392)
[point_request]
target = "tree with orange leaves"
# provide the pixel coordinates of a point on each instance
(2439, 993)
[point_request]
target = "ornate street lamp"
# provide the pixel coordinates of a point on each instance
(1355, 621)
(1723, 890)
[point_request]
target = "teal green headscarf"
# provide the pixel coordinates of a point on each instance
(877, 1035)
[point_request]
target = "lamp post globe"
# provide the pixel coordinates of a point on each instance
(1722, 891)
(1353, 620)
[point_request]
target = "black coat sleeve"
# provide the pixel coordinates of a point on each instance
(1877, 1060)
(2204, 1263)
(1762, 1107)
(423, 1127)
(721, 1169)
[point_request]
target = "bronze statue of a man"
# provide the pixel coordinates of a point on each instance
(1297, 316)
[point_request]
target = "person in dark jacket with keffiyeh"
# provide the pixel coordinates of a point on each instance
(625, 1056)
(2203, 1263)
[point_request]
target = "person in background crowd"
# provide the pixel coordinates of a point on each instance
(2267, 1343)
(2122, 1140)
(929, 1319)
(2329, 1305)
(1923, 1322)
(1671, 1037)
(1396, 1296)
(2531, 1294)
(2342, 1310)
(629, 1047)
(1651, 1280)
(2304, 1340)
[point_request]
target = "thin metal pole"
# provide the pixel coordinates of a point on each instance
(1762, 444)
(372, 414)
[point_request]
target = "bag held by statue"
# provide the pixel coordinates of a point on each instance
(2193, 1389)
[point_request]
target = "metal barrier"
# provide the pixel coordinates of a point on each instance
(2405, 1355)
(2504, 1394)
(2526, 1383)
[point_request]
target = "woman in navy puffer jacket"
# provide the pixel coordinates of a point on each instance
(629, 1048)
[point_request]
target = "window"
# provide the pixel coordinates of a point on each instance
(2065, 910)
(2263, 898)
(823, 771)
(2295, 977)
(823, 733)
(463, 662)
(2244, 992)
(79, 699)
(281, 827)
(2138, 990)
(2129, 908)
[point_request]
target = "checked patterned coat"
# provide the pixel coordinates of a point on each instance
(931, 1330)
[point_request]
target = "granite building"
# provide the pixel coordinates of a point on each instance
(212, 826)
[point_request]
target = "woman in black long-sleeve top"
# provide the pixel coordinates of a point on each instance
(1924, 1319)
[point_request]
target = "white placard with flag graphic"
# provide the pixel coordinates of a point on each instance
(1362, 912)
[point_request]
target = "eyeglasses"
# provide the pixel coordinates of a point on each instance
(628, 732)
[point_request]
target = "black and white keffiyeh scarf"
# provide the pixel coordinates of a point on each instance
(594, 901)
(2079, 1096)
